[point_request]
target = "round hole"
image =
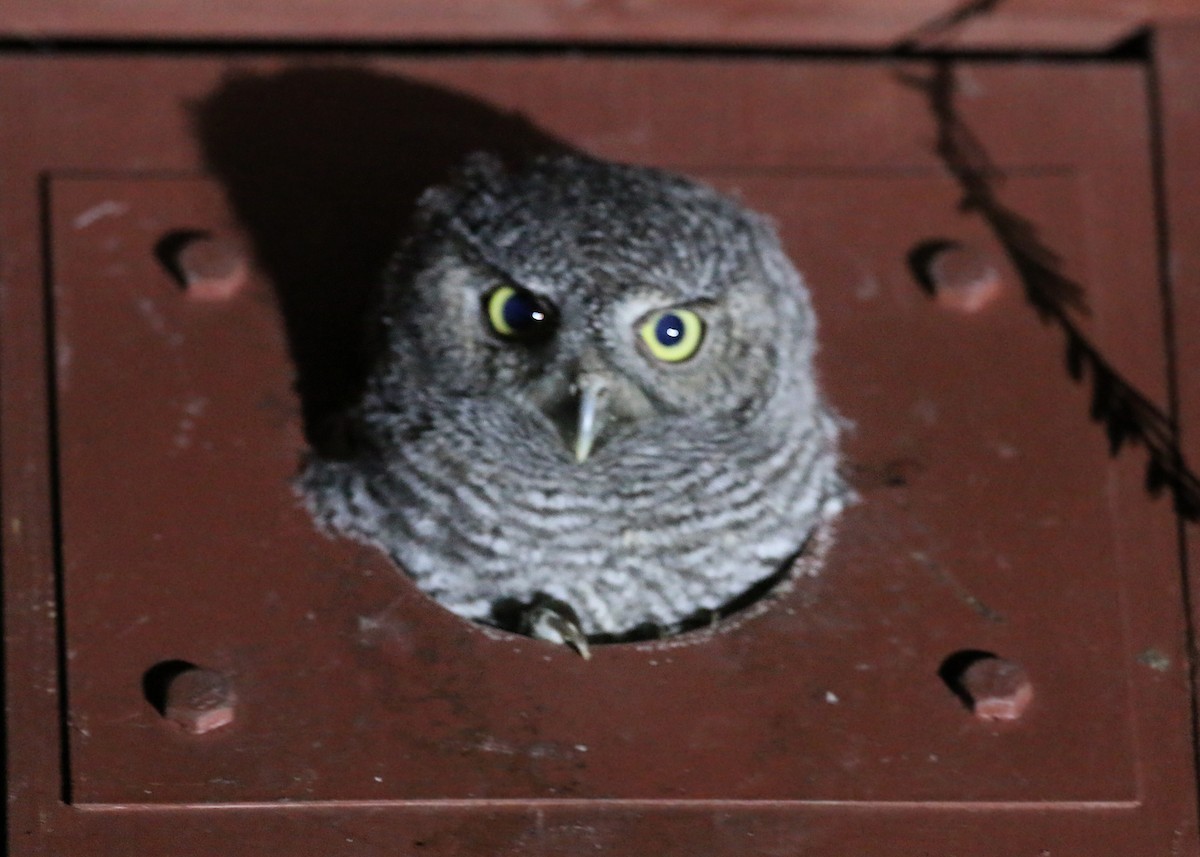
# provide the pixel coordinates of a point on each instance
(158, 678)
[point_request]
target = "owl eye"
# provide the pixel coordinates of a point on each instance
(673, 335)
(518, 314)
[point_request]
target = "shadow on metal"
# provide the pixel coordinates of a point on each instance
(323, 167)
(1127, 414)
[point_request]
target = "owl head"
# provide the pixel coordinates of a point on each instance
(616, 305)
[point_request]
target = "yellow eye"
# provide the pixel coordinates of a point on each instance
(673, 335)
(518, 314)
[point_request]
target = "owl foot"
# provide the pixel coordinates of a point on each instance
(549, 619)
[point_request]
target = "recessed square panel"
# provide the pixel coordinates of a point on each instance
(352, 686)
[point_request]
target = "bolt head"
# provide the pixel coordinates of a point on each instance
(200, 700)
(964, 279)
(213, 268)
(998, 689)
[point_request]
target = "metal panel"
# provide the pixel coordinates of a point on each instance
(992, 515)
(1058, 24)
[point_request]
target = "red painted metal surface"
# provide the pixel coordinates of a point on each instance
(1178, 68)
(1056, 24)
(368, 720)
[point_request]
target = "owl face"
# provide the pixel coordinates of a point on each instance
(610, 303)
(595, 392)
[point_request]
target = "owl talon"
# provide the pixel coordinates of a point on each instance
(552, 620)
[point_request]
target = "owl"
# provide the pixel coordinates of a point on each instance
(593, 410)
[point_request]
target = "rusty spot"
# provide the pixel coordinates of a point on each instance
(1155, 659)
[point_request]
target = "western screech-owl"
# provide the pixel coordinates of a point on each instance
(594, 400)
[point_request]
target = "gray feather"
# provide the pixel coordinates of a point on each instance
(710, 473)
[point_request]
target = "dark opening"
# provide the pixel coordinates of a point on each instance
(158, 678)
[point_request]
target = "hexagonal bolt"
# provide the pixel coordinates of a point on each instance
(209, 267)
(997, 689)
(963, 278)
(200, 700)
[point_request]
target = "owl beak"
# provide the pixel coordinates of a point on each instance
(592, 392)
